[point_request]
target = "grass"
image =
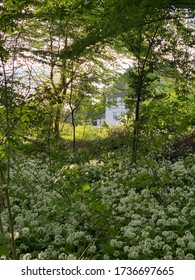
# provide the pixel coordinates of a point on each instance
(84, 132)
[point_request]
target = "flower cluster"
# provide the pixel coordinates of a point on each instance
(104, 209)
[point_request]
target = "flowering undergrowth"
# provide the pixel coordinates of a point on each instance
(105, 209)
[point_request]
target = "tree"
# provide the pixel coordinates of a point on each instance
(11, 102)
(70, 76)
(145, 30)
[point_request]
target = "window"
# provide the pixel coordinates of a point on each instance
(116, 115)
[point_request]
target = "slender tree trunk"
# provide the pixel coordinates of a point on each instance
(4, 243)
(6, 179)
(74, 130)
(57, 123)
(72, 109)
(135, 128)
(10, 216)
(142, 63)
(1, 225)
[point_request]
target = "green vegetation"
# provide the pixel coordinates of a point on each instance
(94, 203)
(69, 190)
(85, 132)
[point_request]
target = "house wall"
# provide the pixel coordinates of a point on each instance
(115, 113)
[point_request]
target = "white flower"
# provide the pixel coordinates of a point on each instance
(180, 253)
(93, 162)
(154, 211)
(27, 256)
(92, 249)
(189, 236)
(116, 253)
(189, 257)
(184, 210)
(133, 253)
(161, 222)
(113, 242)
(168, 256)
(171, 209)
(25, 231)
(167, 248)
(174, 221)
(154, 217)
(106, 257)
(146, 251)
(79, 234)
(159, 245)
(42, 255)
(62, 256)
(71, 257)
(16, 235)
(144, 234)
(192, 213)
(180, 242)
(135, 223)
(191, 245)
(126, 249)
(58, 240)
(165, 233)
(136, 217)
(129, 233)
(133, 171)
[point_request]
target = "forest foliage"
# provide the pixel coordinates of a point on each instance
(69, 190)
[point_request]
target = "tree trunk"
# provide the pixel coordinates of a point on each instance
(57, 123)
(135, 128)
(74, 130)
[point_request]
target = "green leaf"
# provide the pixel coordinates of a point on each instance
(2, 238)
(86, 187)
(3, 251)
(2, 151)
(25, 118)
(3, 53)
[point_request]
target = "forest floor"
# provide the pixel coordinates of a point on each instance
(93, 202)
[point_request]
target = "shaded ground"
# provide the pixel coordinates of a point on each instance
(181, 147)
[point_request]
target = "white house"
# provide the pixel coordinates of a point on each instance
(115, 107)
